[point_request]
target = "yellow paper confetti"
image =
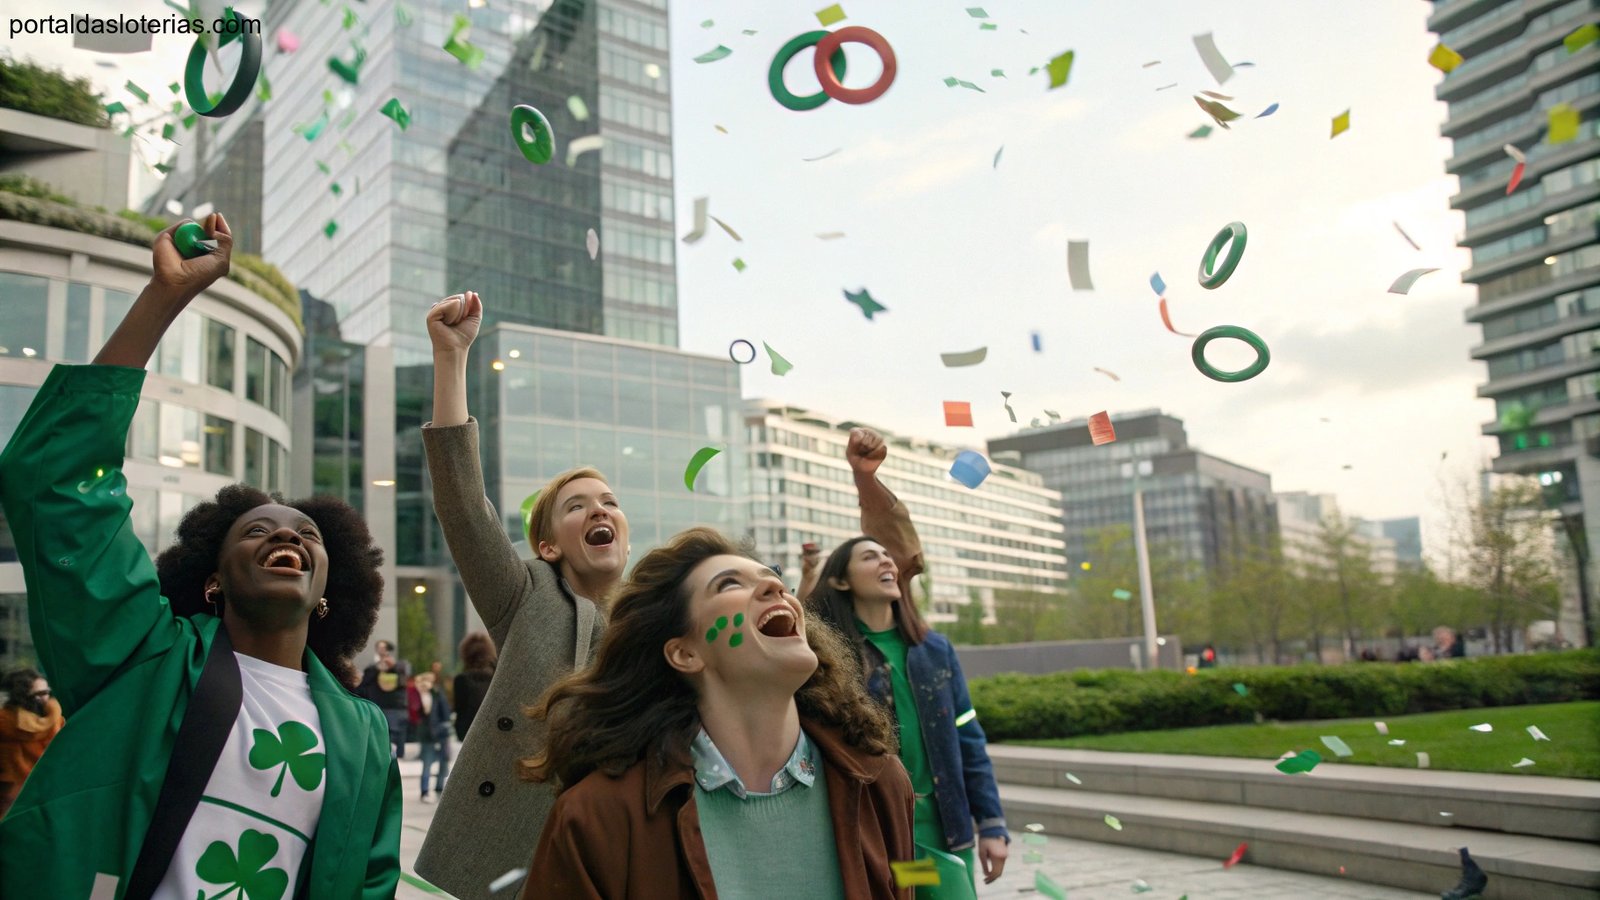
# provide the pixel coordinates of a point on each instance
(915, 873)
(1444, 59)
(832, 14)
(1564, 122)
(1341, 124)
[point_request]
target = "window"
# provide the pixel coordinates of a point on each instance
(75, 348)
(142, 436)
(219, 446)
(278, 400)
(24, 305)
(254, 463)
(179, 437)
(178, 354)
(219, 355)
(255, 371)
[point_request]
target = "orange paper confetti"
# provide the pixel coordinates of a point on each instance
(1108, 373)
(1100, 430)
(958, 413)
(1167, 320)
(1238, 854)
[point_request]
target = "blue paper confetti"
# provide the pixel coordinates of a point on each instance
(970, 469)
(1036, 346)
(1268, 111)
(1157, 285)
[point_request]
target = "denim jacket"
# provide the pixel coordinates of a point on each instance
(963, 778)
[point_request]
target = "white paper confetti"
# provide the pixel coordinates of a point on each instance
(699, 230)
(1383, 727)
(583, 145)
(508, 879)
(1397, 743)
(1402, 285)
(1522, 763)
(1034, 827)
(1483, 727)
(1338, 746)
(1071, 777)
(1515, 154)
(592, 241)
(1215, 63)
(1078, 265)
(1537, 734)
(1422, 760)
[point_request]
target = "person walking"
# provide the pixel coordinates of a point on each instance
(477, 670)
(386, 683)
(29, 720)
(433, 731)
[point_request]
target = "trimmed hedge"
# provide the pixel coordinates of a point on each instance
(1035, 707)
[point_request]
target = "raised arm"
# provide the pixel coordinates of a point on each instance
(495, 577)
(94, 602)
(883, 517)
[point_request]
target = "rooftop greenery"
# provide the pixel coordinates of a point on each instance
(32, 88)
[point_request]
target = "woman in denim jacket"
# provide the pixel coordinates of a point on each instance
(864, 590)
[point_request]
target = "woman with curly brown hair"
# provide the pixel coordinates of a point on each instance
(210, 721)
(720, 745)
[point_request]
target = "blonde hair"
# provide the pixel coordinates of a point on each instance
(542, 520)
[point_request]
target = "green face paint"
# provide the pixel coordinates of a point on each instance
(736, 640)
(722, 622)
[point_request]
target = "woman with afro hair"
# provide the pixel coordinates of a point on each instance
(210, 720)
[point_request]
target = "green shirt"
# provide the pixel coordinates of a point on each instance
(912, 752)
(777, 844)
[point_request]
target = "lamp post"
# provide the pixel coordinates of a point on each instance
(1147, 597)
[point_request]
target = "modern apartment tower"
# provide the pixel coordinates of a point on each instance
(1535, 256)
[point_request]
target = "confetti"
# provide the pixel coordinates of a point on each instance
(1514, 153)
(916, 872)
(1166, 320)
(1422, 763)
(312, 131)
(1406, 236)
(1047, 887)
(863, 299)
(1037, 347)
(1383, 727)
(725, 227)
(829, 235)
(1166, 87)
(527, 511)
(720, 128)
(1216, 96)
(1212, 57)
(1037, 840)
(586, 144)
(137, 91)
(263, 88)
(988, 26)
(1238, 854)
(780, 366)
(997, 153)
(830, 15)
(1068, 775)
(1444, 59)
(970, 468)
(1121, 594)
(997, 73)
(1517, 172)
(457, 45)
(714, 54)
(1084, 566)
(708, 23)
(957, 414)
(1402, 285)
(1537, 734)
(1304, 761)
(1341, 124)
(394, 110)
(1078, 265)
(1108, 373)
(1034, 827)
(349, 71)
(1240, 689)
(336, 189)
(591, 241)
(1483, 728)
(696, 463)
(402, 15)
(1157, 284)
(329, 229)
(1203, 131)
(964, 358)
(1059, 68)
(1582, 37)
(1140, 886)
(578, 108)
(507, 880)
(1032, 857)
(952, 81)
(1006, 400)
(1100, 430)
(739, 265)
(1338, 746)
(1564, 122)
(977, 12)
(115, 107)
(1153, 62)
(824, 156)
(1218, 113)
(1113, 823)
(1522, 763)
(1267, 112)
(699, 229)
(1396, 742)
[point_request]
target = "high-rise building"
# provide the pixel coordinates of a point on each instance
(1407, 536)
(376, 220)
(1535, 253)
(1004, 535)
(1200, 509)
(1304, 520)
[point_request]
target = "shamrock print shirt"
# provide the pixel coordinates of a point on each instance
(253, 827)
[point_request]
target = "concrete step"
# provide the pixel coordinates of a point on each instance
(1404, 855)
(1563, 808)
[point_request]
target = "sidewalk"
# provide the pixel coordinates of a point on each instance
(1088, 870)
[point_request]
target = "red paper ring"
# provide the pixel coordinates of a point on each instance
(830, 83)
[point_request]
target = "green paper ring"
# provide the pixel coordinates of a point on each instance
(1212, 278)
(187, 239)
(1230, 331)
(751, 347)
(542, 148)
(244, 80)
(787, 52)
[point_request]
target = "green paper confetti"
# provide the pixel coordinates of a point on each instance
(1033, 71)
(163, 168)
(314, 130)
(323, 167)
(1201, 132)
(977, 12)
(336, 189)
(738, 265)
(168, 130)
(175, 87)
(988, 26)
(1304, 761)
(263, 88)
(398, 113)
(1582, 37)
(1072, 778)
(1239, 687)
(830, 15)
(707, 23)
(527, 513)
(719, 52)
(350, 19)
(951, 81)
(698, 462)
(780, 366)
(1047, 887)
(330, 228)
(997, 156)
(1120, 594)
(1338, 746)
(749, 31)
(1113, 822)
(115, 107)
(1032, 857)
(863, 299)
(458, 46)
(1140, 886)
(349, 71)
(1060, 68)
(189, 120)
(578, 108)
(402, 15)
(1035, 839)
(348, 119)
(137, 91)
(997, 73)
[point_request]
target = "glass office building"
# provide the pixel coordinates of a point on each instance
(1535, 253)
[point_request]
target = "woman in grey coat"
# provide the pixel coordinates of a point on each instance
(541, 613)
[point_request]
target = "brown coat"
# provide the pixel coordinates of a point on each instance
(23, 737)
(638, 836)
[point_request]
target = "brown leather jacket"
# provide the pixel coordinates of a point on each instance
(638, 836)
(23, 737)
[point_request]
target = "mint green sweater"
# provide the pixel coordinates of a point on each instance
(772, 845)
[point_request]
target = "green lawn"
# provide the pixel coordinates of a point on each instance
(1573, 750)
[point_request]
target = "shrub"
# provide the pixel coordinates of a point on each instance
(49, 92)
(1033, 707)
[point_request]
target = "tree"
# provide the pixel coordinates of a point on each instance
(1511, 559)
(418, 643)
(1348, 570)
(49, 92)
(1256, 602)
(1024, 616)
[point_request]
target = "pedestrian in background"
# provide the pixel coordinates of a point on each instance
(433, 731)
(28, 720)
(477, 669)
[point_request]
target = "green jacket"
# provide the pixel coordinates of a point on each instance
(124, 667)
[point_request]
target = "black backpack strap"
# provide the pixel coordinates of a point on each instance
(209, 720)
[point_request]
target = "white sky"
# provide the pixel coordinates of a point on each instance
(966, 255)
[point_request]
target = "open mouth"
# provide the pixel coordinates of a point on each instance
(286, 561)
(778, 622)
(599, 536)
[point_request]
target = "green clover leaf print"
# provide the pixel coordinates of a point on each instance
(246, 873)
(289, 748)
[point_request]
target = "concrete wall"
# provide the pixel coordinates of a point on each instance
(1046, 657)
(87, 164)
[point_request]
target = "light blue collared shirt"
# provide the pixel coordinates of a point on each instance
(712, 772)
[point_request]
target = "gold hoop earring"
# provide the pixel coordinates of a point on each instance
(322, 608)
